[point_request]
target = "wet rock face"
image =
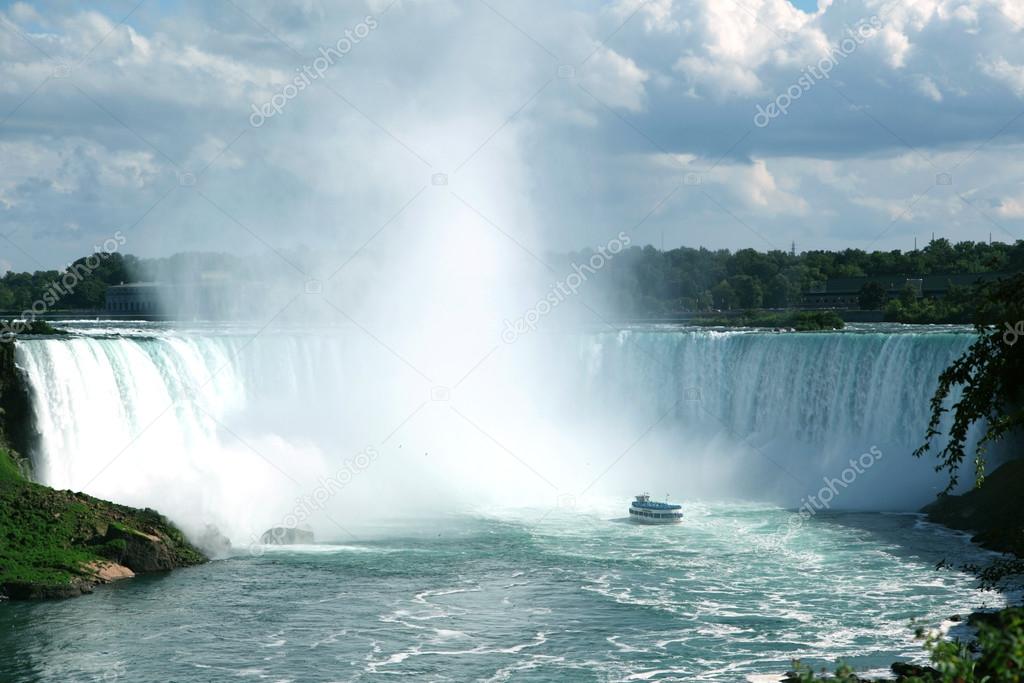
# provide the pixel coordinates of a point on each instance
(280, 535)
(992, 511)
(17, 425)
(141, 552)
(33, 591)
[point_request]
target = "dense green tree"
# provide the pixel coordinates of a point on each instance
(777, 293)
(748, 291)
(753, 264)
(871, 296)
(724, 296)
(82, 285)
(908, 295)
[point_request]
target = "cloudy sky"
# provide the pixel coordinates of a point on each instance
(252, 126)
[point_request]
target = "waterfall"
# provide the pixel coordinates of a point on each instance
(788, 410)
(234, 429)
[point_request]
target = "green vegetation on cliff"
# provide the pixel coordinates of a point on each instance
(55, 543)
(9, 470)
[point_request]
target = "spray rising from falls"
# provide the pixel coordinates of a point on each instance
(234, 430)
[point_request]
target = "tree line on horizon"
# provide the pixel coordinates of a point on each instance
(19, 291)
(642, 281)
(646, 281)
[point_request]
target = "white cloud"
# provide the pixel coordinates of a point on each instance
(1011, 207)
(721, 78)
(657, 14)
(122, 61)
(927, 87)
(616, 80)
(66, 166)
(897, 45)
(23, 12)
(1010, 75)
(763, 192)
(752, 185)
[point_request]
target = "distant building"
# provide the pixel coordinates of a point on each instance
(844, 292)
(140, 297)
(211, 298)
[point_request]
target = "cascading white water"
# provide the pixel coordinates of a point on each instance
(774, 415)
(233, 430)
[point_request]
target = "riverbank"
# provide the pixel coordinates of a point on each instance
(992, 513)
(59, 544)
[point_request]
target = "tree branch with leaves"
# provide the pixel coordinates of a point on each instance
(990, 379)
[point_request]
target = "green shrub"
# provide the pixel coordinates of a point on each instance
(996, 657)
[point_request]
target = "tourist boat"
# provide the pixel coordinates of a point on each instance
(647, 511)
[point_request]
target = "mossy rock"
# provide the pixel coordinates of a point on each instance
(51, 541)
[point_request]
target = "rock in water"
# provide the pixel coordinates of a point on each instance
(915, 672)
(215, 544)
(281, 535)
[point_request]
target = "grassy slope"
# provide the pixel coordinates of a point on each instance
(48, 536)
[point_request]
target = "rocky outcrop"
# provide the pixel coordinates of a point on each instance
(281, 535)
(138, 551)
(58, 544)
(991, 511)
(109, 571)
(915, 672)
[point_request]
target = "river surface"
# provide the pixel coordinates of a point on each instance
(469, 503)
(527, 595)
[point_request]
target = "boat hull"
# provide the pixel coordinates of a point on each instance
(655, 516)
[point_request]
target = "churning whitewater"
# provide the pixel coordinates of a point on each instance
(514, 596)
